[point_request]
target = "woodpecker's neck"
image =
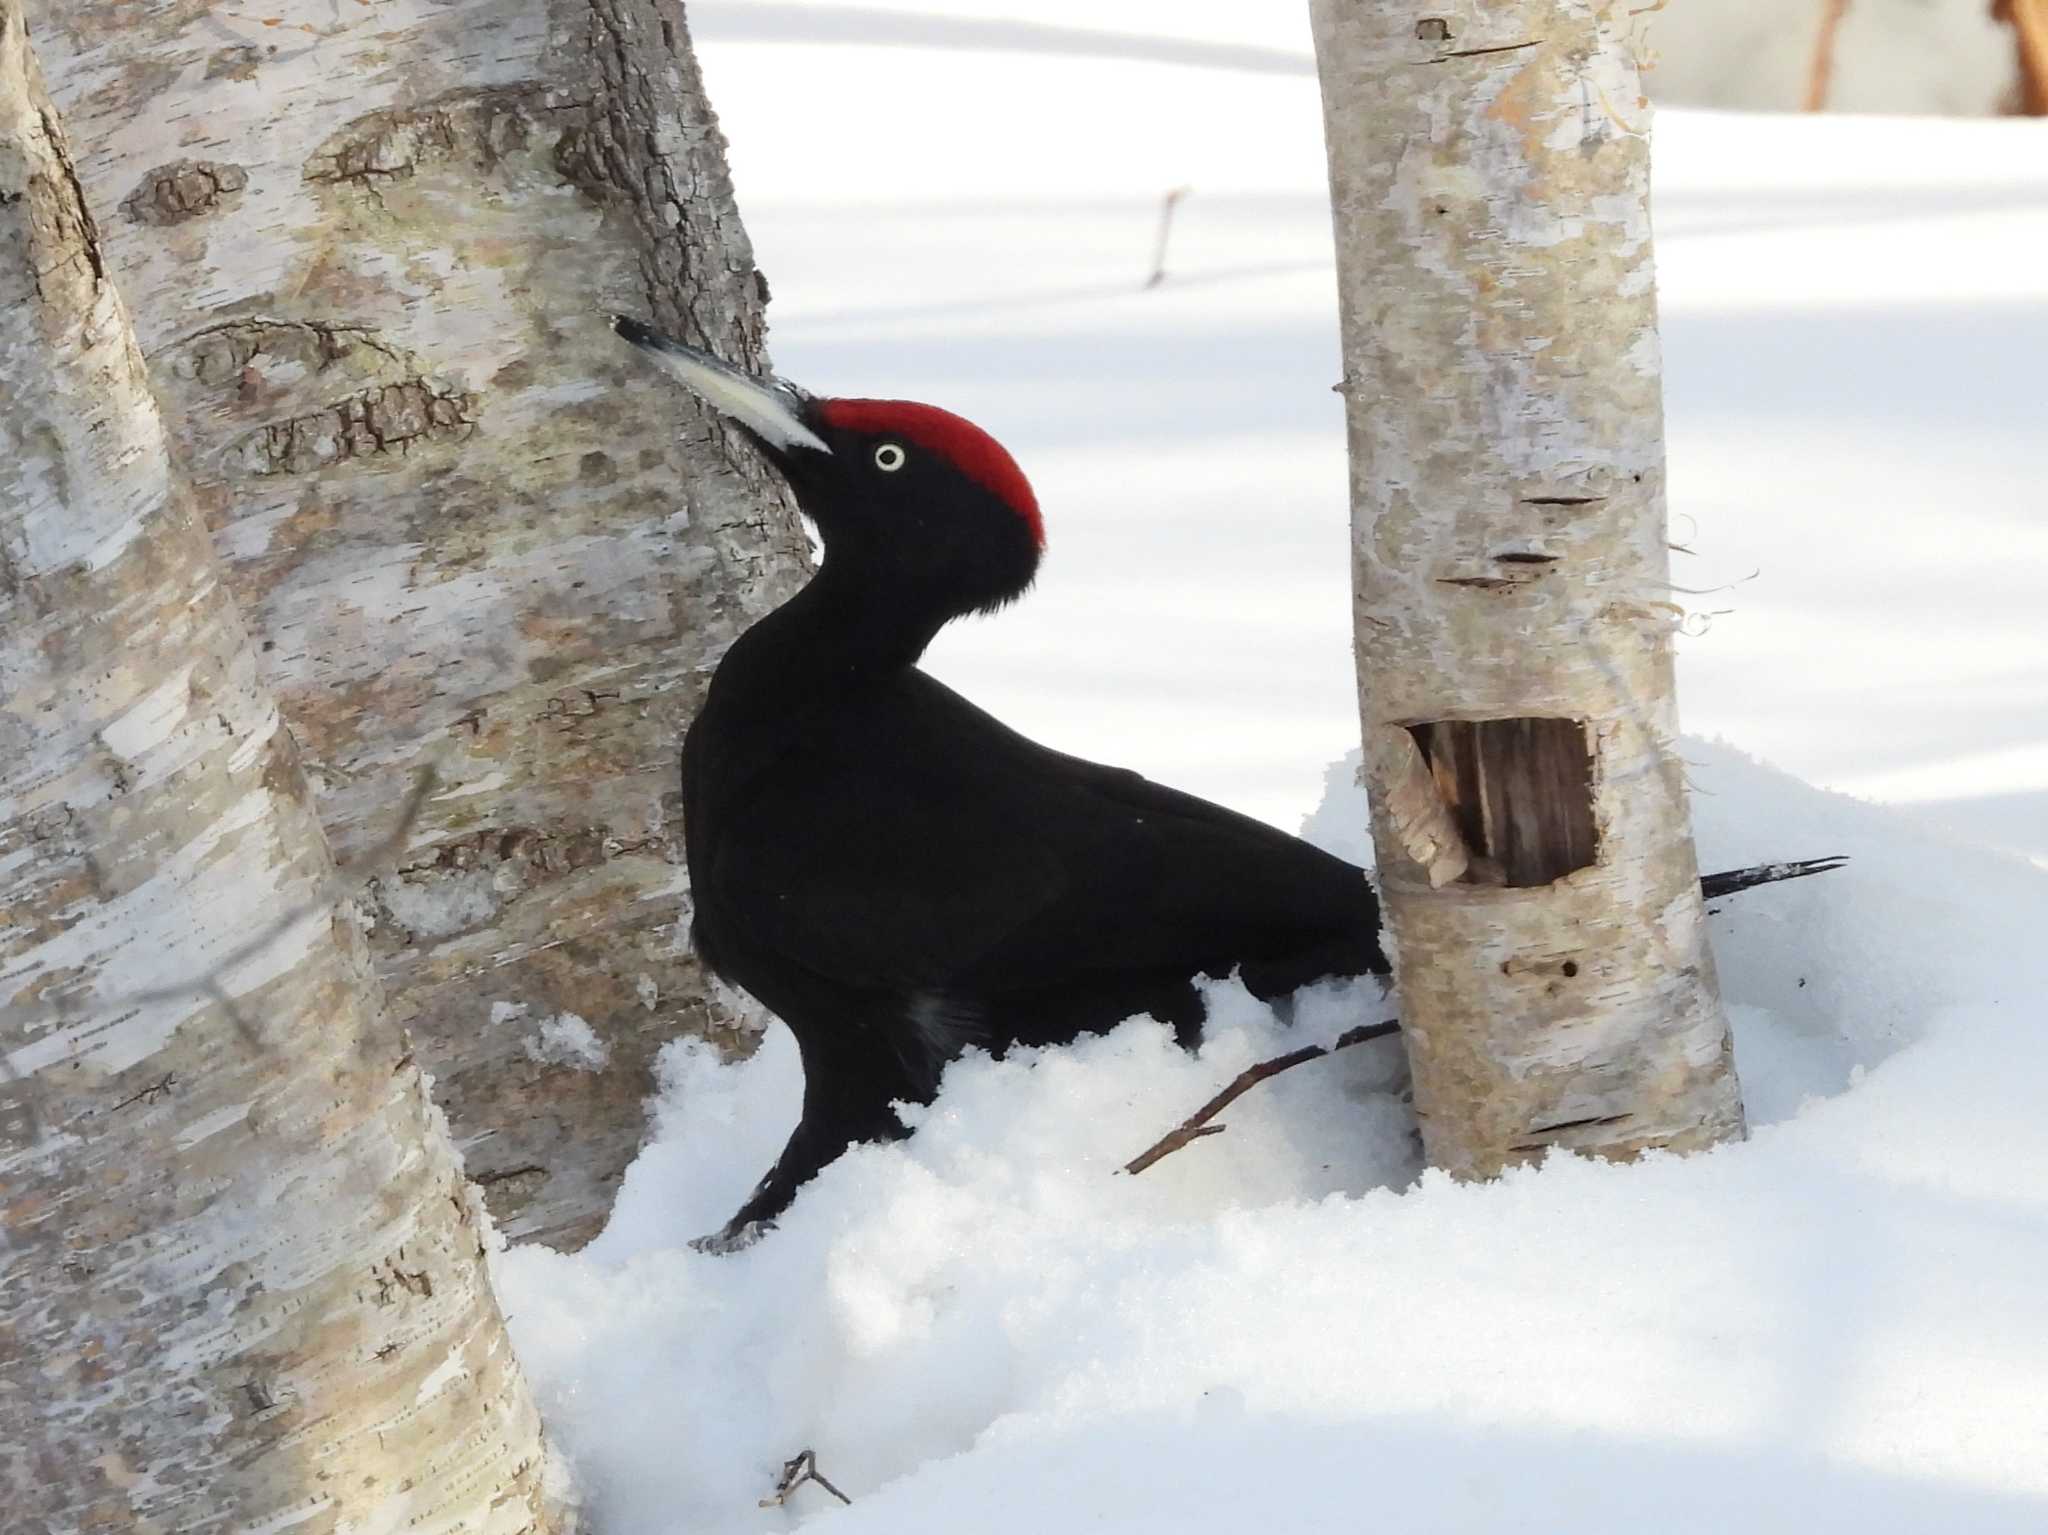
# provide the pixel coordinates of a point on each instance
(845, 628)
(868, 621)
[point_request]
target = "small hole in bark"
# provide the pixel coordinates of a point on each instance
(1571, 968)
(1521, 792)
(1432, 29)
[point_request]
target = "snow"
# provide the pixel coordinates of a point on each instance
(567, 1039)
(1854, 309)
(1839, 1319)
(1837, 1324)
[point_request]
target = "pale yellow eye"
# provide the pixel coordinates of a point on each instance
(889, 458)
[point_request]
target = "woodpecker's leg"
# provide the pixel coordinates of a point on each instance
(848, 1087)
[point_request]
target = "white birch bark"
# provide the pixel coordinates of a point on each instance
(1489, 172)
(368, 248)
(241, 1282)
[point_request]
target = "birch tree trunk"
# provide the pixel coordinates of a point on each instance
(368, 248)
(1489, 174)
(241, 1283)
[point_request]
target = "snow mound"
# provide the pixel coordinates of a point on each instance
(1836, 1324)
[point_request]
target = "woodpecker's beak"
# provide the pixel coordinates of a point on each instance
(771, 409)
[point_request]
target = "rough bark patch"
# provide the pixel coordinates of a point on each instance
(183, 189)
(479, 127)
(386, 420)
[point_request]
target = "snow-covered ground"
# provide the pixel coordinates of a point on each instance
(1839, 1324)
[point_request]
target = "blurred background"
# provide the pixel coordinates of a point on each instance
(963, 203)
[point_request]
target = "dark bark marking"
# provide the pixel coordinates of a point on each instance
(220, 353)
(72, 214)
(1538, 1136)
(481, 127)
(183, 189)
(1479, 583)
(1476, 53)
(149, 1094)
(376, 421)
(239, 62)
(419, 1282)
(528, 1170)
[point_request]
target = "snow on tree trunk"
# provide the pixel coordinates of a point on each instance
(368, 250)
(1489, 171)
(241, 1282)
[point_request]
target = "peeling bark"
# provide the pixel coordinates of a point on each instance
(241, 1279)
(465, 525)
(1489, 172)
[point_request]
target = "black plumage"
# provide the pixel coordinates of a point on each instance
(896, 874)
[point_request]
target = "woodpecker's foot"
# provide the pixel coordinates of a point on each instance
(733, 1238)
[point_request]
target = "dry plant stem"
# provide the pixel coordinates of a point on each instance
(1197, 1125)
(2029, 19)
(798, 1469)
(1489, 169)
(1166, 210)
(367, 262)
(1820, 71)
(242, 1288)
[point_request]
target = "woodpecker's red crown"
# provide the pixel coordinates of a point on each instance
(930, 511)
(946, 436)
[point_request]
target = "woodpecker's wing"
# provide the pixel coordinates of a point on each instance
(915, 845)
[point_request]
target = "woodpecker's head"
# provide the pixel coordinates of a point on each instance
(911, 497)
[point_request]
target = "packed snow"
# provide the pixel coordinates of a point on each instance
(1837, 1324)
(989, 1326)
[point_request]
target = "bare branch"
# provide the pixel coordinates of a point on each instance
(795, 1472)
(1197, 1125)
(1820, 72)
(1165, 232)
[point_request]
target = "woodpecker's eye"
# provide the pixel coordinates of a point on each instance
(888, 458)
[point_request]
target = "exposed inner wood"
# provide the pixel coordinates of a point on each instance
(1521, 791)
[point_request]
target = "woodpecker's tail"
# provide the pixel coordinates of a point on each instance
(1714, 886)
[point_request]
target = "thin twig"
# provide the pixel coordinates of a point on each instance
(1165, 230)
(1821, 71)
(1197, 1125)
(801, 1468)
(149, 1094)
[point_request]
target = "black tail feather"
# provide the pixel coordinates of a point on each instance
(1714, 886)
